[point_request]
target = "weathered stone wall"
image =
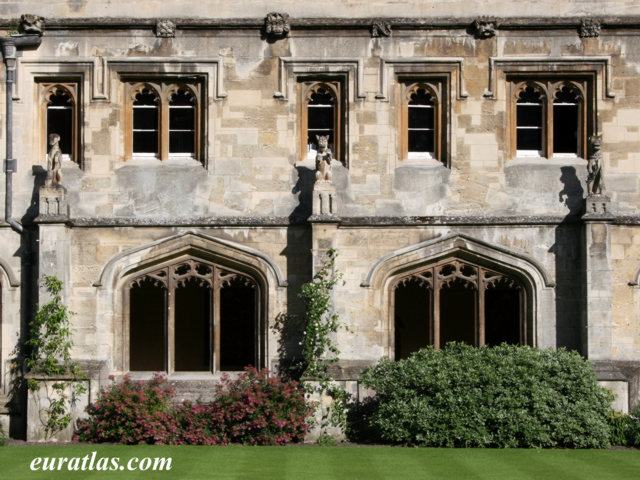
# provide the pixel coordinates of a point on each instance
(252, 190)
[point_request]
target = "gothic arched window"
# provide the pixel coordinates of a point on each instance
(552, 117)
(192, 316)
(457, 300)
(60, 116)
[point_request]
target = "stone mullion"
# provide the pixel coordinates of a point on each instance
(163, 128)
(171, 317)
(215, 308)
(480, 308)
(437, 284)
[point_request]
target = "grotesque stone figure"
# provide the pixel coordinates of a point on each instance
(323, 159)
(31, 24)
(379, 28)
(54, 162)
(483, 29)
(595, 182)
(276, 26)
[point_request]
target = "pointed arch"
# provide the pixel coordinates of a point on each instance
(188, 272)
(468, 265)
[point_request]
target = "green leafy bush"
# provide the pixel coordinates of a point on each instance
(505, 396)
(625, 429)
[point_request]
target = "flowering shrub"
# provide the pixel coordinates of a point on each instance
(132, 412)
(262, 410)
(254, 409)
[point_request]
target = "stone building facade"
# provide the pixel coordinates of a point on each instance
(189, 212)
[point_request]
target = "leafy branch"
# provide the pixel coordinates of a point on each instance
(50, 356)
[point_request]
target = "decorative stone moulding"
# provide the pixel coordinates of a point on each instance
(276, 26)
(31, 24)
(483, 29)
(165, 29)
(379, 28)
(589, 28)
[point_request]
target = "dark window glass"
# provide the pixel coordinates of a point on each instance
(182, 123)
(565, 122)
(237, 325)
(421, 122)
(529, 120)
(412, 318)
(145, 123)
(60, 120)
(457, 313)
(502, 315)
(192, 327)
(320, 117)
(147, 331)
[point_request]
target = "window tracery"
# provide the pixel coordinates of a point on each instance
(192, 315)
(458, 300)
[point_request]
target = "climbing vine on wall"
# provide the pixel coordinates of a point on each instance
(50, 356)
(319, 350)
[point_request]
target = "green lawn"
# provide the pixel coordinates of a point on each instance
(300, 462)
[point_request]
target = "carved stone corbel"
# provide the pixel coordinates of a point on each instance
(276, 26)
(380, 28)
(31, 24)
(589, 28)
(165, 29)
(483, 29)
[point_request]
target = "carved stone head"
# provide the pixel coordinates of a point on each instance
(31, 24)
(323, 142)
(595, 143)
(276, 25)
(54, 138)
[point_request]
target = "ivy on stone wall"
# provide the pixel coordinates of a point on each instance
(50, 356)
(319, 350)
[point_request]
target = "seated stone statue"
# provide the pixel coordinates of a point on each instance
(323, 159)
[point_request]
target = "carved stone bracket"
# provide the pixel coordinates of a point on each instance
(53, 203)
(598, 207)
(483, 29)
(324, 199)
(589, 28)
(276, 26)
(380, 28)
(165, 29)
(31, 24)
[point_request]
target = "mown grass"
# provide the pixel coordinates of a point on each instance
(331, 463)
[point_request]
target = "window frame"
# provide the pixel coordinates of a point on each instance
(483, 278)
(548, 86)
(438, 88)
(71, 86)
(170, 282)
(164, 88)
(308, 85)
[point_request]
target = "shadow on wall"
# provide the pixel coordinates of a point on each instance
(570, 264)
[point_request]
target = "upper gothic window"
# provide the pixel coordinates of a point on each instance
(551, 118)
(164, 120)
(60, 116)
(192, 316)
(322, 116)
(423, 126)
(457, 300)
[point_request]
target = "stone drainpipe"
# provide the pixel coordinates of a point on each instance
(10, 46)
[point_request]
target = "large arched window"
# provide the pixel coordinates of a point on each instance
(458, 300)
(192, 316)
